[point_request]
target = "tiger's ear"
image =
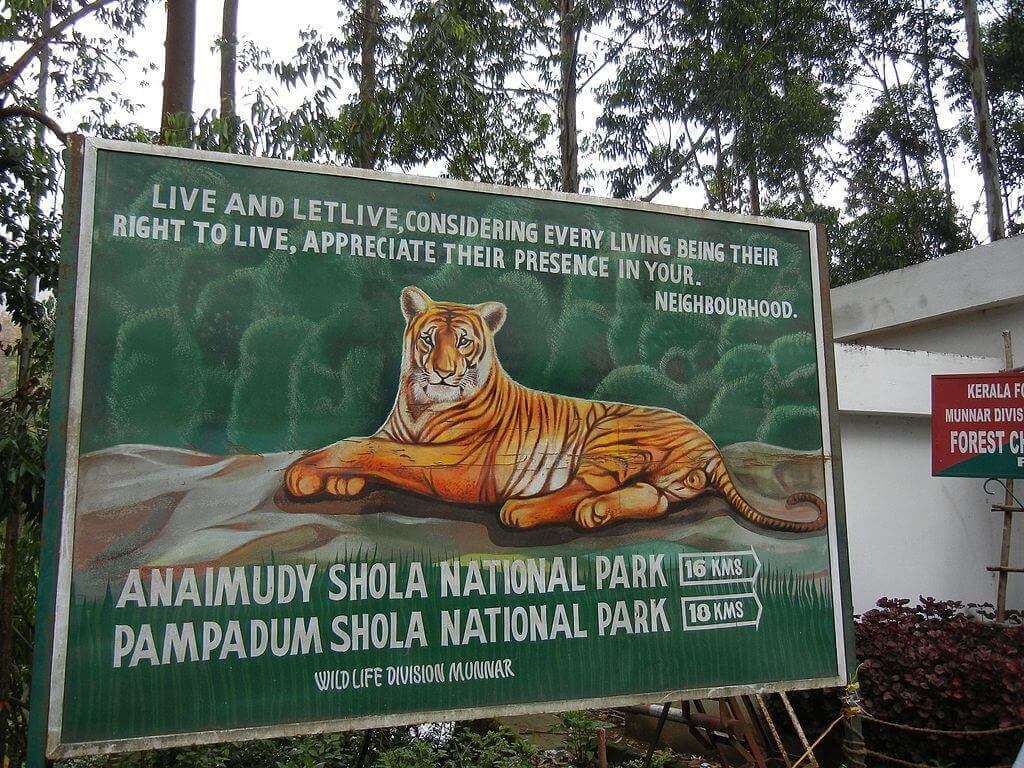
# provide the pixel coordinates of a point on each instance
(493, 313)
(414, 302)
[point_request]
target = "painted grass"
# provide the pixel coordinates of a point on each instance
(794, 641)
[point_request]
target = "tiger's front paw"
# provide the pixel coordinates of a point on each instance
(593, 513)
(338, 470)
(344, 486)
(304, 479)
(512, 514)
(519, 513)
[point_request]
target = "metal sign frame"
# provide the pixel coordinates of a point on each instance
(48, 700)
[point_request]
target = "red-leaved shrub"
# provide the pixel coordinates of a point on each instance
(944, 666)
(937, 665)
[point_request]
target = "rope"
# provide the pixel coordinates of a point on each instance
(908, 764)
(936, 731)
(852, 707)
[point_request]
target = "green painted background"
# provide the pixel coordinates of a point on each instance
(235, 350)
(228, 350)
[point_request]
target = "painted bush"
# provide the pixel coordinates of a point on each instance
(155, 381)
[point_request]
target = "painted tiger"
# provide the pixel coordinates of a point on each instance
(462, 431)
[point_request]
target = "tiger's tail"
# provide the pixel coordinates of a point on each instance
(721, 480)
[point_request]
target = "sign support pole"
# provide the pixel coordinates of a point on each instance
(1004, 551)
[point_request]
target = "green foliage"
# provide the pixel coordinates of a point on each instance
(800, 386)
(1003, 46)
(662, 758)
(738, 330)
(791, 352)
(433, 746)
(902, 228)
(224, 309)
(699, 393)
(662, 331)
(24, 414)
(677, 364)
(767, 101)
(464, 746)
(579, 729)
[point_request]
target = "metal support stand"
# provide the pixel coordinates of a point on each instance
(657, 734)
(727, 728)
(798, 728)
(774, 731)
(364, 747)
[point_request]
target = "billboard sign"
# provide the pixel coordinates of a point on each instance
(337, 449)
(978, 425)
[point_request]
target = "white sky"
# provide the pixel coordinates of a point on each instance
(276, 26)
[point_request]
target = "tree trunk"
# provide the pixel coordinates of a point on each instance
(370, 24)
(179, 69)
(12, 528)
(940, 137)
(228, 69)
(922, 170)
(745, 146)
(755, 188)
(805, 188)
(989, 160)
(905, 167)
(568, 143)
(1006, 202)
(720, 171)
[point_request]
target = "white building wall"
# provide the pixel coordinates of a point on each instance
(911, 534)
(973, 333)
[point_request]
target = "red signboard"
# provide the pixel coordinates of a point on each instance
(978, 425)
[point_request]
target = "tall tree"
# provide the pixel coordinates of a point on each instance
(554, 30)
(988, 159)
(13, 520)
(1003, 39)
(741, 98)
(368, 21)
(889, 222)
(228, 69)
(934, 22)
(568, 141)
(440, 86)
(179, 71)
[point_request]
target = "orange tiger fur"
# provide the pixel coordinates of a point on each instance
(463, 431)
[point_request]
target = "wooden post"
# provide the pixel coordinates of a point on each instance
(1004, 551)
(602, 748)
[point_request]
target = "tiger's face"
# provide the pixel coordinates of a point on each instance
(448, 351)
